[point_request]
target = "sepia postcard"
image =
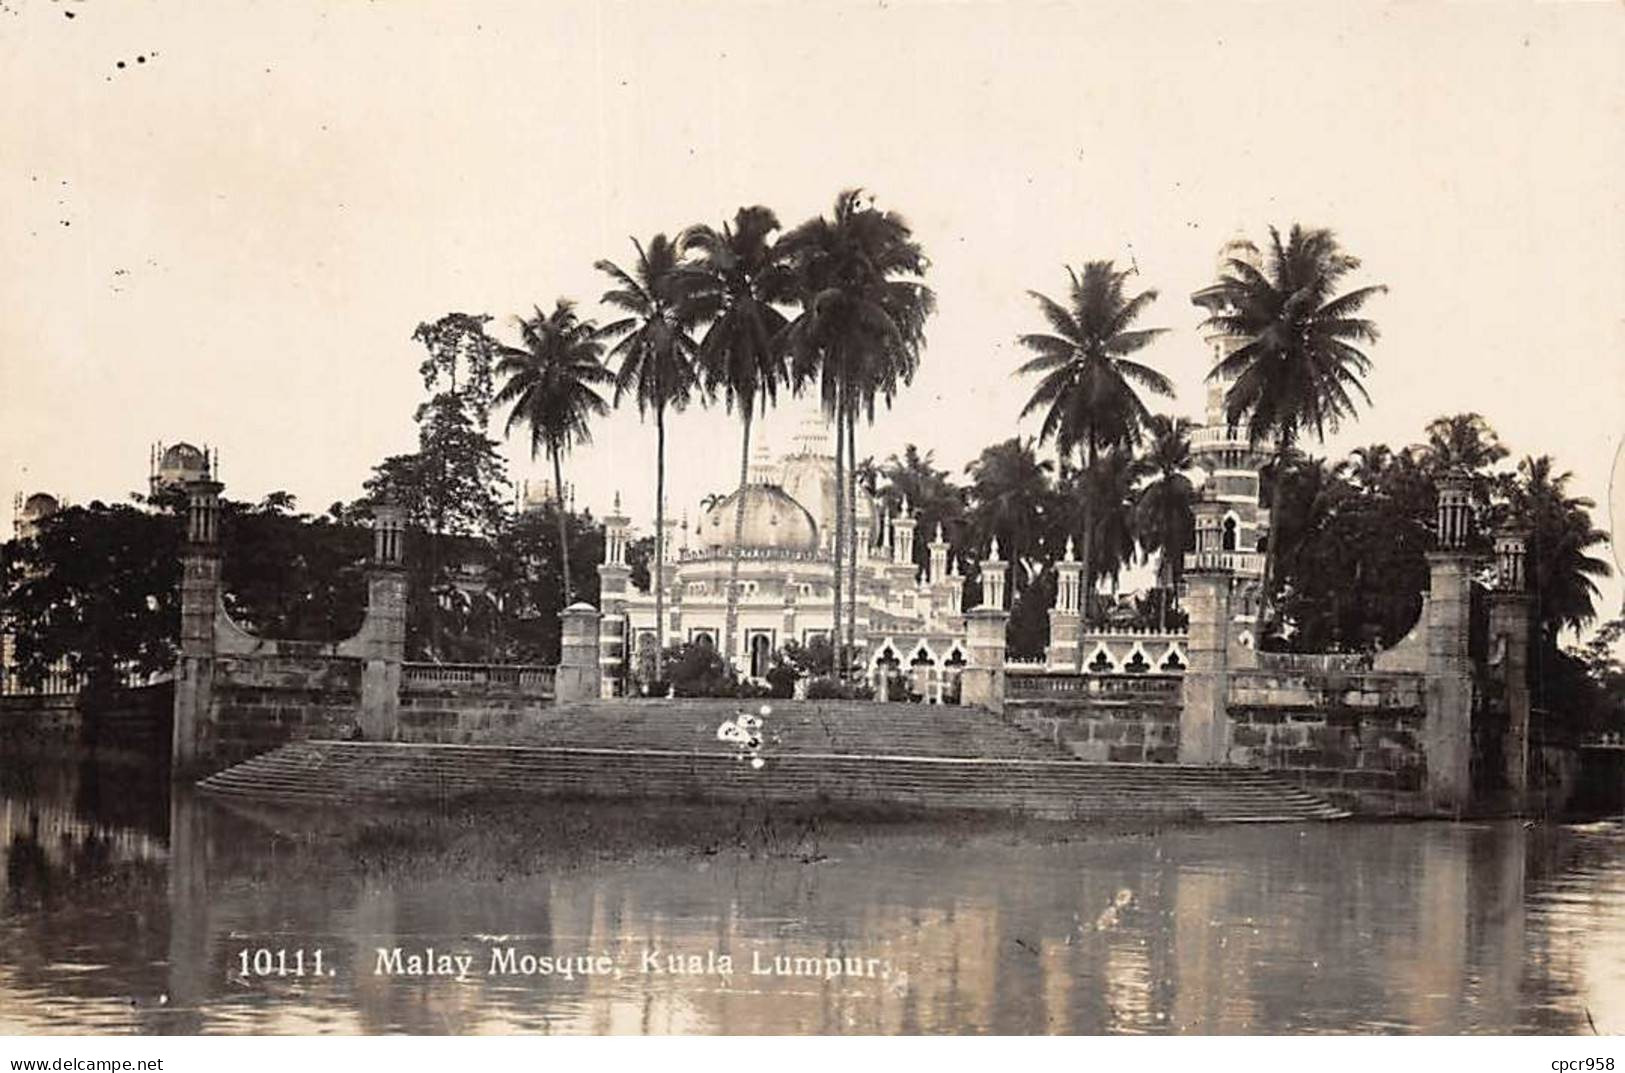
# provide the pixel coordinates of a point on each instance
(897, 518)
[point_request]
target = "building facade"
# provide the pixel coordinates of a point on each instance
(908, 615)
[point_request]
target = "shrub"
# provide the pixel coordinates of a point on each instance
(830, 689)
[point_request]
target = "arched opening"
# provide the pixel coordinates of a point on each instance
(761, 655)
(1231, 528)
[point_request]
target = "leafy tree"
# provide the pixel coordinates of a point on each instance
(739, 279)
(858, 333)
(937, 502)
(527, 590)
(453, 489)
(1087, 377)
(290, 575)
(95, 588)
(657, 356)
(1298, 370)
(551, 386)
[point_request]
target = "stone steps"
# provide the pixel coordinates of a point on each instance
(318, 772)
(861, 728)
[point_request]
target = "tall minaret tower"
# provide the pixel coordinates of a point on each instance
(1232, 462)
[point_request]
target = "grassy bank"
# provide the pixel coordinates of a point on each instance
(498, 838)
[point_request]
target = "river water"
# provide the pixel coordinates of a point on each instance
(124, 908)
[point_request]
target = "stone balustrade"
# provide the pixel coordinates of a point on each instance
(526, 679)
(1094, 685)
(1237, 562)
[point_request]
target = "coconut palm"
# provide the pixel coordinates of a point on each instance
(1109, 489)
(551, 385)
(1010, 492)
(657, 367)
(1298, 368)
(1163, 518)
(859, 333)
(737, 281)
(1088, 379)
(1561, 535)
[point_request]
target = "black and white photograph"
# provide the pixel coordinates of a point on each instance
(750, 518)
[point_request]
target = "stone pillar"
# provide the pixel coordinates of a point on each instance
(1447, 731)
(193, 732)
(1065, 623)
(613, 579)
(578, 675)
(993, 578)
(982, 681)
(1510, 635)
(1204, 716)
(383, 638)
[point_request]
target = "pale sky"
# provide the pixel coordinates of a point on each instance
(230, 239)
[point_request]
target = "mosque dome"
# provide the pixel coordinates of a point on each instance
(772, 520)
(182, 456)
(810, 480)
(40, 505)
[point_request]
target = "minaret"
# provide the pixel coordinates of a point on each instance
(1224, 451)
(939, 556)
(613, 577)
(903, 536)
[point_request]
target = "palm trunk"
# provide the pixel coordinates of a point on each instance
(840, 535)
(564, 540)
(852, 526)
(731, 622)
(1086, 596)
(1266, 602)
(657, 570)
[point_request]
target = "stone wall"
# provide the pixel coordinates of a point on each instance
(1119, 718)
(133, 720)
(463, 704)
(1352, 736)
(262, 701)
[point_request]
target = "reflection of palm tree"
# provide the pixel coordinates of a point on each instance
(739, 277)
(551, 384)
(1298, 369)
(1087, 380)
(657, 368)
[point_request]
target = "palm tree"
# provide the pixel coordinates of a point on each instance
(551, 385)
(1109, 489)
(657, 367)
(1088, 379)
(1163, 517)
(736, 284)
(1010, 490)
(1561, 534)
(1298, 368)
(859, 332)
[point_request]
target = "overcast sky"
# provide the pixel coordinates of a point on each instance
(222, 221)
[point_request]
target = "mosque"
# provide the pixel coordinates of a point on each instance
(786, 572)
(909, 615)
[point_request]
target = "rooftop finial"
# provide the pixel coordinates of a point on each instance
(1069, 556)
(993, 556)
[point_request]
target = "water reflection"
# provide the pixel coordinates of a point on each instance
(126, 910)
